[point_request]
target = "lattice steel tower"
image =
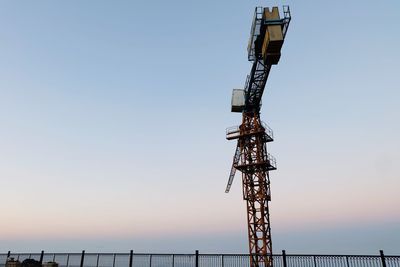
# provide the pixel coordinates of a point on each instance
(251, 157)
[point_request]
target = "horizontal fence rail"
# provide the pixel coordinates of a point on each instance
(200, 260)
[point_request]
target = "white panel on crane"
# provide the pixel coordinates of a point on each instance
(237, 100)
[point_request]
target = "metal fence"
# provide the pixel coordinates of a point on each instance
(201, 260)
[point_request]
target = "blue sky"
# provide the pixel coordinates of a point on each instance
(113, 117)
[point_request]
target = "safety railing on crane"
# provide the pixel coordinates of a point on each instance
(254, 32)
(271, 162)
(267, 161)
(234, 132)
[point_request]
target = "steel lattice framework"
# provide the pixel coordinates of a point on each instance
(255, 165)
(251, 157)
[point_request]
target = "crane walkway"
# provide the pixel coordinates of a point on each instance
(234, 132)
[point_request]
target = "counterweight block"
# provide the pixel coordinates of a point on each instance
(273, 36)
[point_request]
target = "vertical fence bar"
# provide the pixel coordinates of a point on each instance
(97, 260)
(173, 260)
(41, 257)
(382, 258)
(284, 258)
(130, 258)
(8, 254)
(222, 260)
(82, 258)
(315, 261)
(197, 258)
(150, 259)
(114, 260)
(347, 261)
(66, 265)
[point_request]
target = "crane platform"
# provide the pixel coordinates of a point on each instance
(234, 132)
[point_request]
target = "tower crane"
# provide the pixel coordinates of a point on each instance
(251, 158)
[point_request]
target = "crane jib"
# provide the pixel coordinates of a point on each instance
(256, 84)
(266, 39)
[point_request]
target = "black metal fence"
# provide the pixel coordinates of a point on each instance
(201, 260)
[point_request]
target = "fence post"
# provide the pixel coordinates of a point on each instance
(82, 258)
(382, 258)
(222, 260)
(315, 261)
(197, 258)
(130, 258)
(173, 260)
(8, 254)
(284, 258)
(41, 257)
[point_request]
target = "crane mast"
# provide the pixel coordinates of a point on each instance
(251, 157)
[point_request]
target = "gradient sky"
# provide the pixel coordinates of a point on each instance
(113, 117)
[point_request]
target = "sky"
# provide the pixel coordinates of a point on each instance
(113, 118)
